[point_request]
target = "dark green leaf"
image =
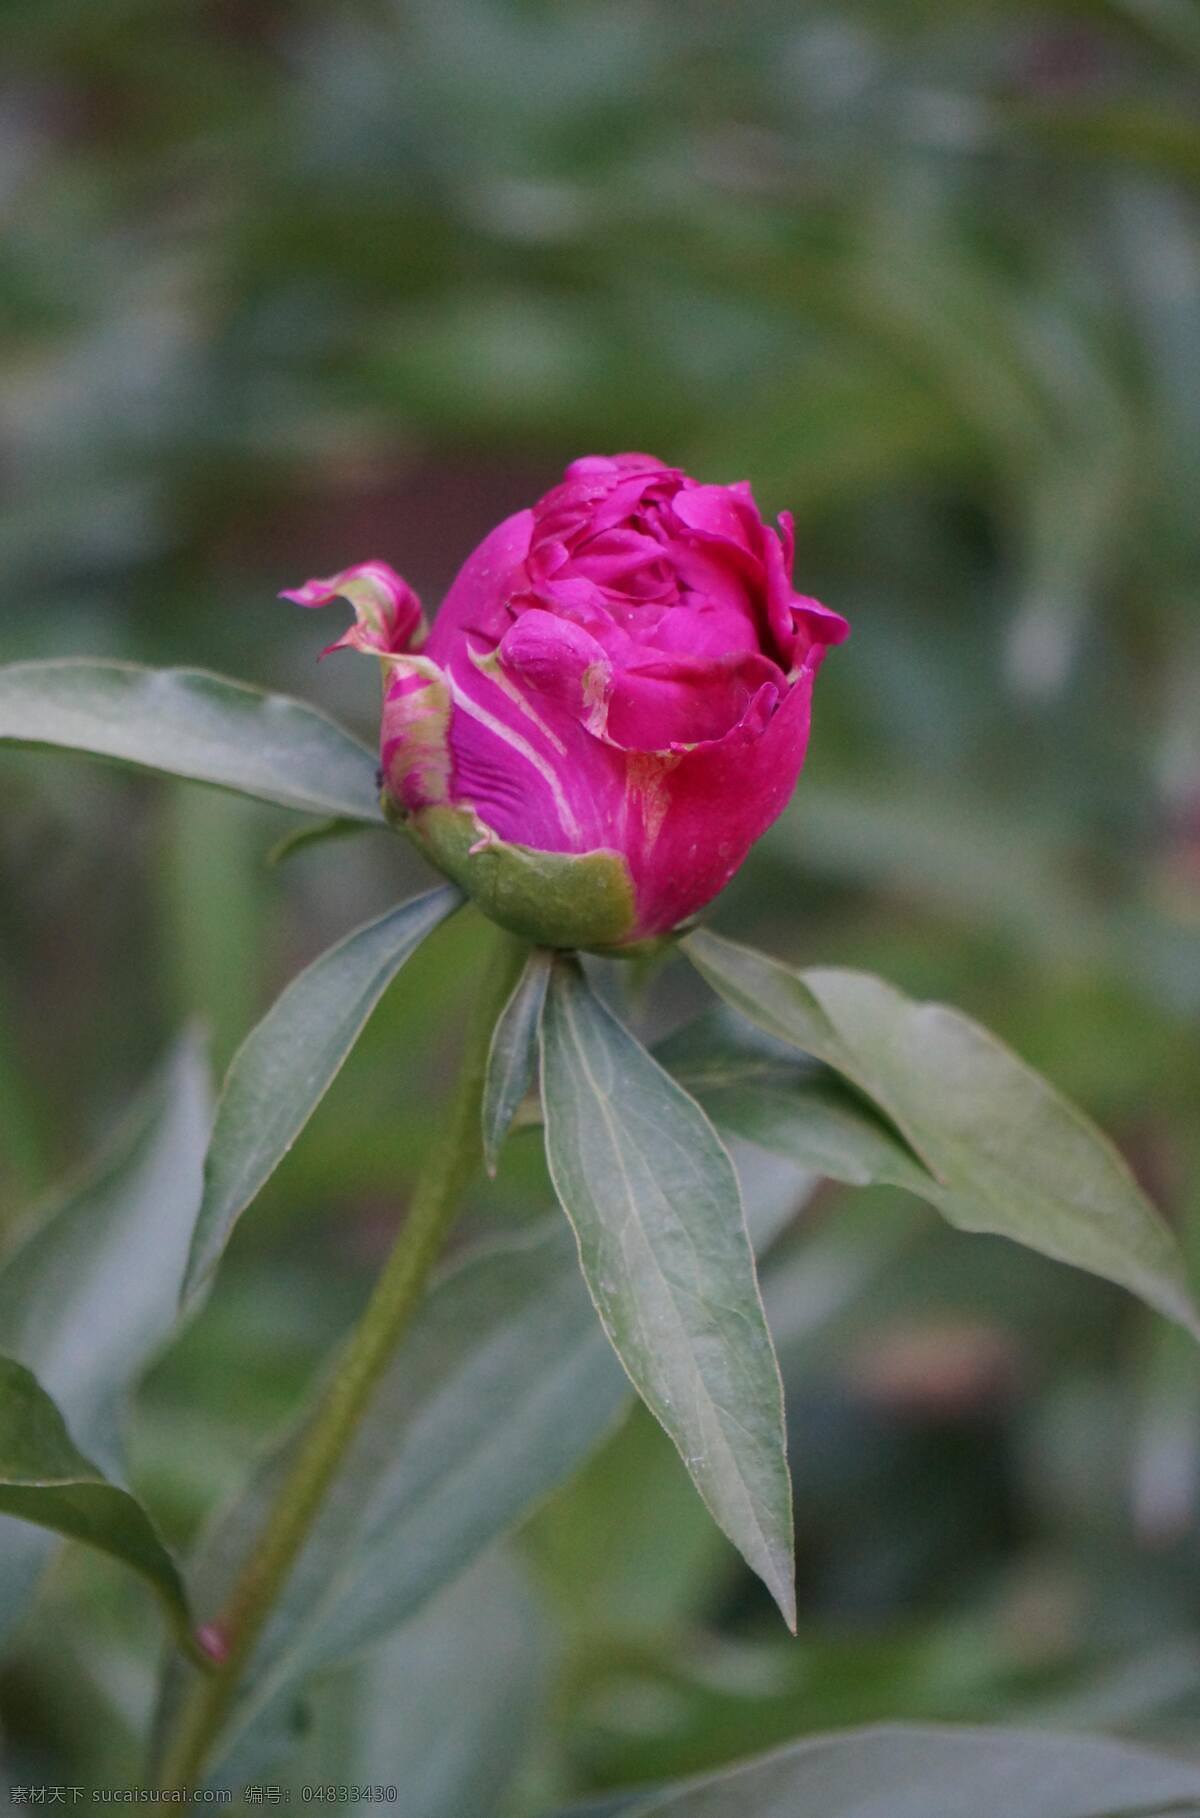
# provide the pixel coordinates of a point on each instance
(1008, 1153)
(513, 1055)
(284, 1067)
(192, 724)
(45, 1480)
(901, 1772)
(654, 1203)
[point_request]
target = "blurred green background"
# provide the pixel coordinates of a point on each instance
(289, 285)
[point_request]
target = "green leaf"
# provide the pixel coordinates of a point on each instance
(90, 1288)
(513, 1055)
(45, 1480)
(286, 1064)
(915, 1772)
(502, 1387)
(192, 724)
(654, 1203)
(1007, 1153)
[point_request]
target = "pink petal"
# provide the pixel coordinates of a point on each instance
(387, 612)
(477, 600)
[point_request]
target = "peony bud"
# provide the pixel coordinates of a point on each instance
(612, 706)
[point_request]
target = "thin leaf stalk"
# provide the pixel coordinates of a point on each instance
(448, 1167)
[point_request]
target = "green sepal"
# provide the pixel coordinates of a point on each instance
(555, 899)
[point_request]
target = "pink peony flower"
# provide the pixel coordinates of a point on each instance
(612, 706)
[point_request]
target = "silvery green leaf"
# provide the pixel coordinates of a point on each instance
(512, 1057)
(902, 1771)
(654, 1202)
(189, 723)
(90, 1287)
(1006, 1152)
(286, 1064)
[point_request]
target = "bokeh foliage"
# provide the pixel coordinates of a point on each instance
(291, 285)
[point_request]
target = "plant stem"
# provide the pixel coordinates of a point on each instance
(446, 1172)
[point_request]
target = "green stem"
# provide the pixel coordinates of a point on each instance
(446, 1172)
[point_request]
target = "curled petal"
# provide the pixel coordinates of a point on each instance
(721, 514)
(817, 627)
(617, 690)
(388, 617)
(801, 626)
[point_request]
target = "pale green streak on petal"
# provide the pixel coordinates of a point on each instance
(545, 770)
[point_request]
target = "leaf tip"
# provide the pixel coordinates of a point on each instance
(782, 1586)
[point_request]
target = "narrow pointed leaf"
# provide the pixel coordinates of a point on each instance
(44, 1479)
(902, 1771)
(286, 1064)
(1010, 1154)
(513, 1055)
(655, 1206)
(189, 723)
